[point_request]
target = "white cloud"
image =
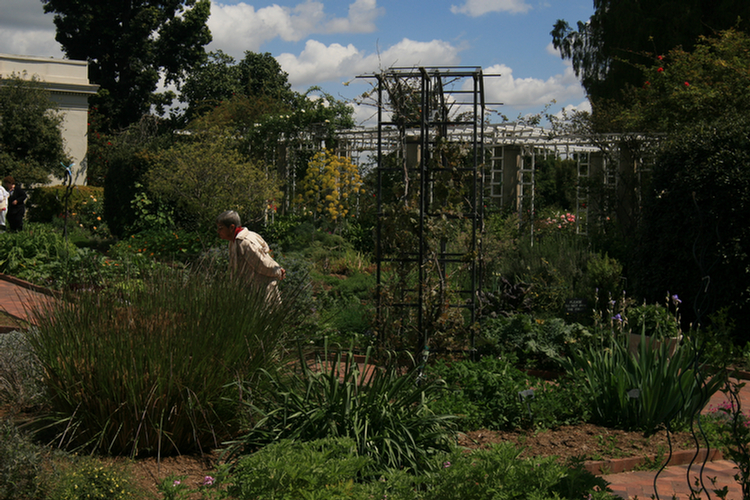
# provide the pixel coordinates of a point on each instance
(524, 93)
(238, 28)
(476, 8)
(26, 30)
(320, 63)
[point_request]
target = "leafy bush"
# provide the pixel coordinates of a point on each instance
(291, 470)
(48, 202)
(31, 253)
(88, 478)
(20, 464)
(500, 473)
(149, 369)
(386, 412)
(486, 395)
(331, 469)
(547, 271)
(164, 244)
(535, 343)
(644, 390)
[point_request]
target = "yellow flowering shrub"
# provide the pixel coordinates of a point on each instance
(330, 187)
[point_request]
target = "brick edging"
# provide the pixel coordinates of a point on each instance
(30, 286)
(617, 465)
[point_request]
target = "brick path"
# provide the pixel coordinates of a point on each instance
(17, 296)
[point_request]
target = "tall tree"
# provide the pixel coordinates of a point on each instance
(129, 45)
(31, 143)
(605, 49)
(220, 79)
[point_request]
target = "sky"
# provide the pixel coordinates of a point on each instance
(331, 44)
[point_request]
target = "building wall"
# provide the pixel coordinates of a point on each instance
(69, 87)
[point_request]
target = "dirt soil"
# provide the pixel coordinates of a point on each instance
(585, 441)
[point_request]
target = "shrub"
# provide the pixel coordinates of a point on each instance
(20, 464)
(499, 473)
(47, 202)
(331, 469)
(149, 369)
(289, 469)
(386, 412)
(536, 343)
(486, 395)
(87, 478)
(31, 254)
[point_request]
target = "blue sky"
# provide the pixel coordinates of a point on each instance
(327, 43)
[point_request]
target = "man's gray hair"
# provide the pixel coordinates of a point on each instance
(228, 218)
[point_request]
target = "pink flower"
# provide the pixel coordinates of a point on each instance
(176, 483)
(208, 481)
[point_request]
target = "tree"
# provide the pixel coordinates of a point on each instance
(31, 143)
(679, 89)
(219, 79)
(694, 240)
(605, 49)
(129, 46)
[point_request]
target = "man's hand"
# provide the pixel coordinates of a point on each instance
(283, 273)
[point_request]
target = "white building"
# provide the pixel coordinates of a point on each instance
(69, 87)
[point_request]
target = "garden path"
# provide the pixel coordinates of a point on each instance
(18, 296)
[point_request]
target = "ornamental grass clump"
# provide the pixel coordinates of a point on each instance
(646, 389)
(150, 369)
(384, 410)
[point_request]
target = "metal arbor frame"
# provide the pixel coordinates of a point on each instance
(416, 111)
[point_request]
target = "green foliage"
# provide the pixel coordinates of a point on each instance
(165, 245)
(694, 228)
(32, 143)
(642, 390)
(291, 470)
(485, 394)
(555, 183)
(130, 47)
(20, 464)
(683, 87)
(534, 343)
(88, 478)
(149, 215)
(219, 79)
(120, 162)
(33, 253)
(384, 411)
(734, 434)
(202, 189)
(331, 469)
(149, 369)
(606, 49)
(539, 275)
(48, 202)
(499, 473)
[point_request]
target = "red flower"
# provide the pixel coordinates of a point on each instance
(687, 84)
(660, 57)
(660, 70)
